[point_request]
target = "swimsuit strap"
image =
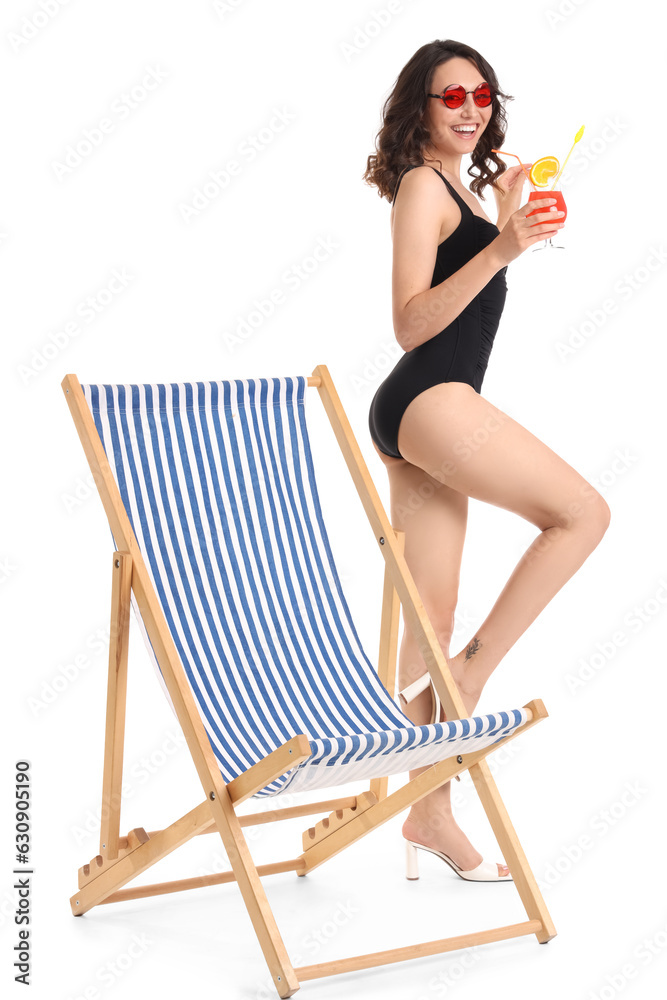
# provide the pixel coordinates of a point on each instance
(457, 197)
(452, 190)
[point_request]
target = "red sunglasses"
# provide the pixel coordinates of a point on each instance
(455, 95)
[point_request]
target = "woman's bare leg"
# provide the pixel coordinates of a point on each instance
(434, 518)
(455, 441)
(462, 440)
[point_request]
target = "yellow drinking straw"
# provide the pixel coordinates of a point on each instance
(576, 140)
(503, 153)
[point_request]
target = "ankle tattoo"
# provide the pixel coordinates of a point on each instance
(472, 648)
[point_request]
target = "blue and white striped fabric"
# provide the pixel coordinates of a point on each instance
(217, 479)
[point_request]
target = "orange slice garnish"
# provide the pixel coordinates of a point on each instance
(543, 170)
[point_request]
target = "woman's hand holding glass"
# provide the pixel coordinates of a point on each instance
(520, 232)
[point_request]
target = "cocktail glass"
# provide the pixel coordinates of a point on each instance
(560, 206)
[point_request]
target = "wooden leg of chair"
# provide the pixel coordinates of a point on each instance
(142, 853)
(121, 582)
(516, 860)
(391, 607)
(254, 896)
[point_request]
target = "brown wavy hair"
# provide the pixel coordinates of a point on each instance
(402, 136)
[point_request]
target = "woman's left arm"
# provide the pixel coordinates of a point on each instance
(507, 191)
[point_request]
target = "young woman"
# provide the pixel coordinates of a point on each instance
(439, 438)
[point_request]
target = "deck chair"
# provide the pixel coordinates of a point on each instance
(221, 550)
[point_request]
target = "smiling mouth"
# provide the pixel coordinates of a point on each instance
(465, 131)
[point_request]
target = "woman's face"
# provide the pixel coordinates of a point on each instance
(456, 131)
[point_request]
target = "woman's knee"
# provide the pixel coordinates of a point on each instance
(602, 513)
(596, 513)
(586, 512)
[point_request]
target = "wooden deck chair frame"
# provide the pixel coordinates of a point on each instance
(122, 858)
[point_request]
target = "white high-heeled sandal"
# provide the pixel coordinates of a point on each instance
(410, 692)
(484, 872)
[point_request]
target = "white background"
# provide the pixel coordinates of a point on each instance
(585, 789)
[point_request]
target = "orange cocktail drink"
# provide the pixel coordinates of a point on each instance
(560, 205)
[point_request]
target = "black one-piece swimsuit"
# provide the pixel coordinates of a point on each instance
(460, 352)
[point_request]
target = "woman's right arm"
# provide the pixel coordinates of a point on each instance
(419, 311)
